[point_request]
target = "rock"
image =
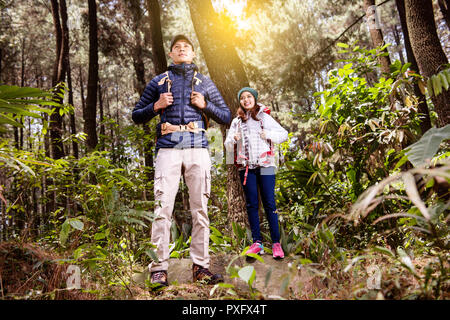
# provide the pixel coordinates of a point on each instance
(274, 278)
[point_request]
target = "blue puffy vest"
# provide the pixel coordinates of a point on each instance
(181, 112)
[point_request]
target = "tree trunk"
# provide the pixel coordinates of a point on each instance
(425, 122)
(59, 73)
(90, 126)
(428, 50)
(160, 66)
(227, 72)
(444, 5)
(159, 56)
(376, 35)
(396, 34)
(58, 37)
(73, 128)
(83, 101)
(138, 62)
(101, 114)
(22, 84)
(1, 54)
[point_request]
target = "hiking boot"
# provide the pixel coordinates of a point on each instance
(200, 273)
(159, 277)
(256, 248)
(277, 251)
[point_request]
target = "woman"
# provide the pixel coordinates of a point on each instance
(253, 132)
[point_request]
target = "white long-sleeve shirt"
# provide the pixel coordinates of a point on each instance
(259, 149)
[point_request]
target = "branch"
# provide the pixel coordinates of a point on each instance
(343, 32)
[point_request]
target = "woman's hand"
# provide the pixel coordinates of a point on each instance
(237, 136)
(263, 134)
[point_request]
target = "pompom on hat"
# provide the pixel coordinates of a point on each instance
(248, 89)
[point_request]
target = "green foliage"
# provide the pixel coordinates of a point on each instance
(98, 209)
(425, 149)
(360, 120)
(16, 102)
(439, 82)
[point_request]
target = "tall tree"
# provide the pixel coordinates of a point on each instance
(137, 51)
(227, 72)
(425, 122)
(59, 12)
(90, 113)
(444, 5)
(428, 50)
(376, 34)
(160, 66)
(159, 56)
(1, 54)
(73, 128)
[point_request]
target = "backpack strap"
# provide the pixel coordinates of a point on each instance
(165, 79)
(169, 84)
(241, 155)
(195, 82)
(196, 79)
(270, 153)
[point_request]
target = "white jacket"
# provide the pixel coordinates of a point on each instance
(259, 149)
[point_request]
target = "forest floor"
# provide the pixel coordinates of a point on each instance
(30, 272)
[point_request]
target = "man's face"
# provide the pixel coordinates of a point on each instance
(182, 52)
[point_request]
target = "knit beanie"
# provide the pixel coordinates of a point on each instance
(251, 90)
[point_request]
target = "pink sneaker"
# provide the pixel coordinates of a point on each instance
(256, 248)
(277, 251)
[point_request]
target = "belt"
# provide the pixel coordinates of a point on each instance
(167, 128)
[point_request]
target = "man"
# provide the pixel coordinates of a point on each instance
(185, 100)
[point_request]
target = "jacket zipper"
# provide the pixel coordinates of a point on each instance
(182, 95)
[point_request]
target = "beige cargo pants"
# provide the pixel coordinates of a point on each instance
(195, 165)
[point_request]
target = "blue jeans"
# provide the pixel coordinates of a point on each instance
(264, 178)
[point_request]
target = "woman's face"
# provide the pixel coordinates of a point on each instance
(247, 100)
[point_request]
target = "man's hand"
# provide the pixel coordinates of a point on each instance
(165, 100)
(198, 100)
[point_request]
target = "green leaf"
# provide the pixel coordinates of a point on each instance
(215, 239)
(255, 256)
(76, 224)
(342, 45)
(9, 120)
(384, 251)
(99, 236)
(305, 261)
(64, 233)
(437, 86)
(413, 194)
(405, 67)
(152, 254)
(247, 274)
(405, 260)
(13, 92)
(447, 74)
(401, 162)
(427, 146)
(444, 81)
(215, 231)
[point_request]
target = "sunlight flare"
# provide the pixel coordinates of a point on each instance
(235, 9)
